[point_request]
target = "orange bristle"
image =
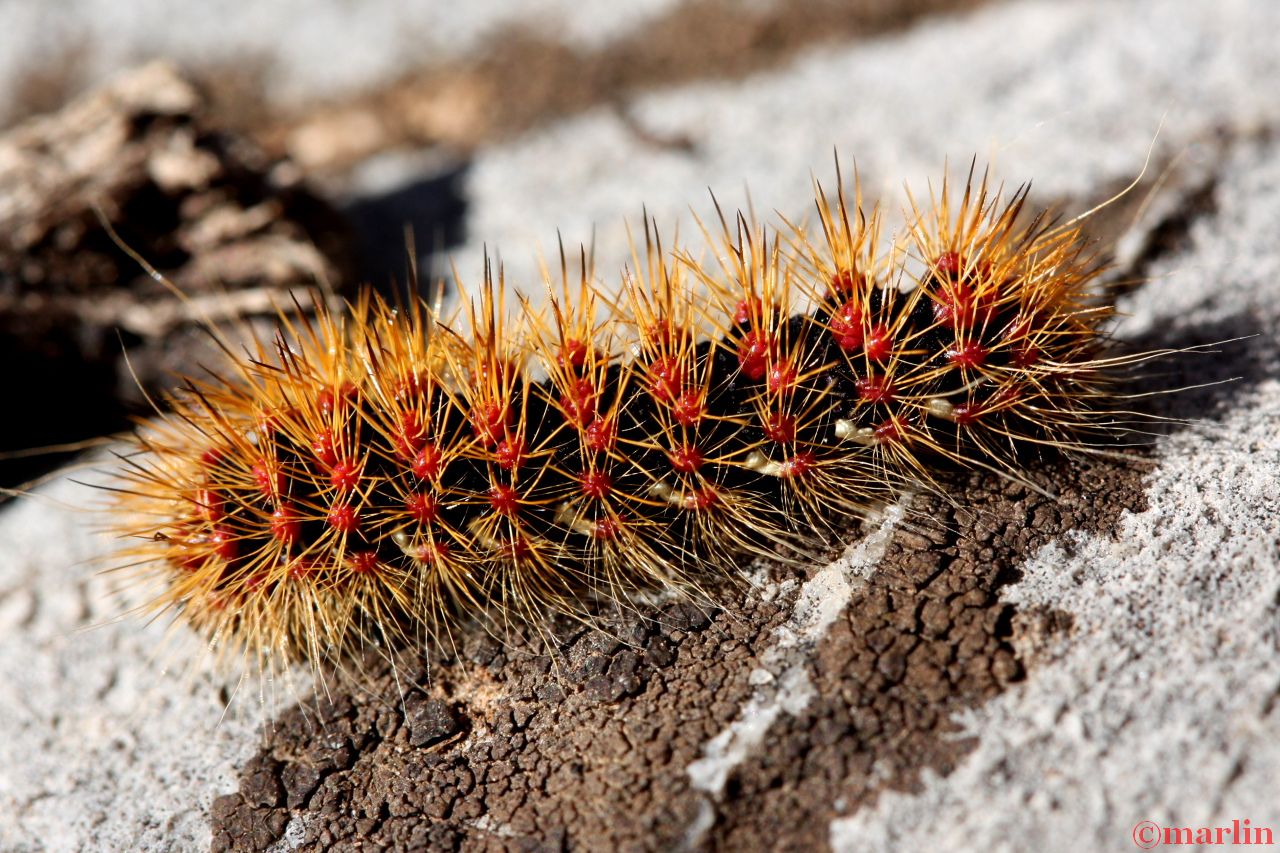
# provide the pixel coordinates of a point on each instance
(373, 478)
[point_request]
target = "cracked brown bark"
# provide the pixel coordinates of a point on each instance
(927, 636)
(502, 750)
(508, 748)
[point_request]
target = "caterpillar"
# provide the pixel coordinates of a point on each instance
(370, 477)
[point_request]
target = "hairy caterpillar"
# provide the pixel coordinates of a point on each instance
(370, 478)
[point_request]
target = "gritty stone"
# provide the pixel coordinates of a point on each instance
(1098, 650)
(429, 720)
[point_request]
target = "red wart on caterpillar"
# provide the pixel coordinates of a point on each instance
(371, 477)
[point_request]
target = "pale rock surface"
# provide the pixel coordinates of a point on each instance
(323, 49)
(1161, 703)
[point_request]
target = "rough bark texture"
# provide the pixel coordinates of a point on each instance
(1130, 673)
(589, 747)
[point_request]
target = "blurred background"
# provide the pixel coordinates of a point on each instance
(278, 146)
(358, 122)
(288, 144)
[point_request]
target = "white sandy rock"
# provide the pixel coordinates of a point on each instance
(1159, 706)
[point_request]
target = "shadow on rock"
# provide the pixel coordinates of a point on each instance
(427, 213)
